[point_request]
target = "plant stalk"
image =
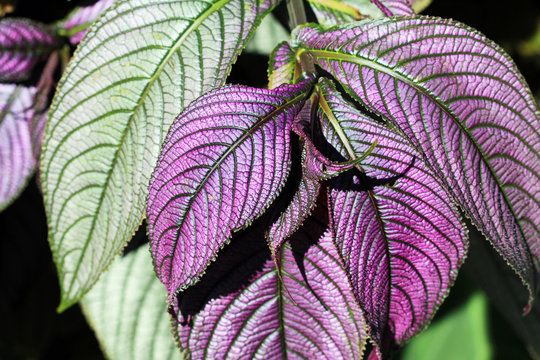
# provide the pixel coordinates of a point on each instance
(297, 16)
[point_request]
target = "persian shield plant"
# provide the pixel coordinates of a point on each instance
(296, 221)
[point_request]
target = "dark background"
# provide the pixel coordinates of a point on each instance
(30, 328)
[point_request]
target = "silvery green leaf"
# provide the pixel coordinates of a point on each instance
(135, 70)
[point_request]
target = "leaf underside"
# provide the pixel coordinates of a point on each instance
(128, 311)
(140, 63)
(459, 100)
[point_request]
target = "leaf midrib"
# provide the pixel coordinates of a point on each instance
(262, 121)
(362, 61)
(192, 27)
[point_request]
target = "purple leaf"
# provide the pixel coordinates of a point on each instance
(460, 100)
(300, 193)
(77, 23)
(240, 309)
(16, 159)
(282, 67)
(222, 164)
(22, 44)
(401, 239)
(395, 7)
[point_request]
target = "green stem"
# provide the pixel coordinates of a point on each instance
(297, 16)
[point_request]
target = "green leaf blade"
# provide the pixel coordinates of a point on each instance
(127, 309)
(139, 65)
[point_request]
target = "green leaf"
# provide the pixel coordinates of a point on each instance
(128, 310)
(504, 291)
(135, 70)
(461, 334)
(268, 35)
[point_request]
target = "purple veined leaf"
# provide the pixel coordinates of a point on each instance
(140, 64)
(22, 44)
(334, 12)
(282, 67)
(224, 161)
(299, 194)
(397, 229)
(77, 23)
(16, 160)
(240, 309)
(459, 99)
(395, 7)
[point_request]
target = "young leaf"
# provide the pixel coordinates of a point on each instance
(400, 237)
(300, 195)
(222, 164)
(240, 308)
(128, 311)
(22, 44)
(138, 66)
(459, 99)
(395, 7)
(282, 68)
(16, 158)
(76, 25)
(333, 12)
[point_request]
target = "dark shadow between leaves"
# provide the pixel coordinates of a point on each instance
(353, 179)
(238, 263)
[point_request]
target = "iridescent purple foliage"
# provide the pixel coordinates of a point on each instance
(454, 124)
(23, 43)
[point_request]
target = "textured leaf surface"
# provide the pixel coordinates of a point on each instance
(400, 236)
(76, 25)
(128, 311)
(222, 164)
(16, 158)
(22, 44)
(240, 309)
(300, 195)
(460, 100)
(282, 67)
(141, 62)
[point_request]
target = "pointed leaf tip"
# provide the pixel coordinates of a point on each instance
(222, 164)
(401, 238)
(460, 100)
(115, 103)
